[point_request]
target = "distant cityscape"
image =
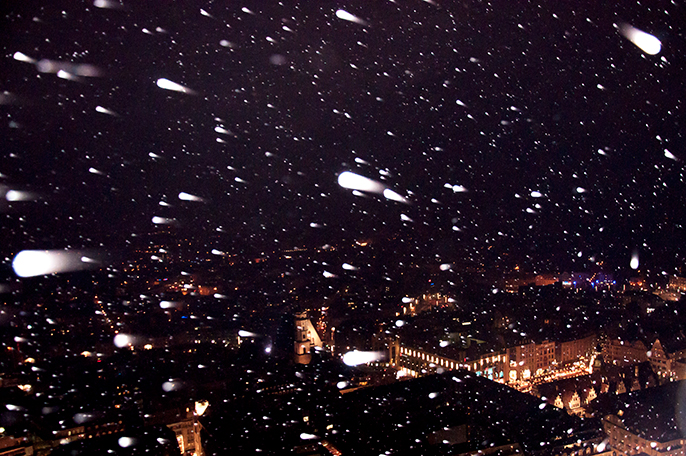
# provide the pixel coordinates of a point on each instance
(354, 348)
(385, 228)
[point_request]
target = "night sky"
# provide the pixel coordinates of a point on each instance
(534, 131)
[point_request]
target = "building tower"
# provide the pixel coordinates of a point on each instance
(306, 338)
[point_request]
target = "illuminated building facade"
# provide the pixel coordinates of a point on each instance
(306, 338)
(619, 351)
(677, 283)
(185, 422)
(628, 442)
(570, 351)
(665, 365)
(516, 364)
(531, 359)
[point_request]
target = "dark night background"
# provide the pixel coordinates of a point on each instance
(543, 87)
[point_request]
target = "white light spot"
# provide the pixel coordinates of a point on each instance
(354, 181)
(446, 266)
(162, 220)
(670, 155)
(18, 195)
(349, 267)
(171, 386)
(126, 442)
(433, 395)
(329, 275)
(65, 75)
(580, 190)
(166, 84)
(536, 194)
(634, 260)
(342, 384)
(306, 436)
(346, 16)
(222, 130)
(102, 110)
(244, 333)
(188, 197)
(355, 357)
(459, 102)
(31, 263)
(23, 57)
(122, 340)
(168, 304)
(106, 4)
(399, 323)
(393, 196)
(405, 218)
(459, 189)
(645, 41)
